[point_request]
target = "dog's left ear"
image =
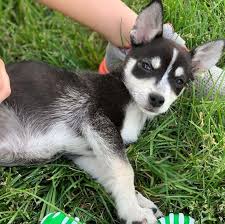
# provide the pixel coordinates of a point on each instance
(149, 24)
(207, 55)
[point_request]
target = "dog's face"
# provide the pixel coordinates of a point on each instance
(157, 69)
(156, 74)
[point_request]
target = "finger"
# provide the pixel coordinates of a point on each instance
(4, 82)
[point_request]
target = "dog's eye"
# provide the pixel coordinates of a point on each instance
(146, 65)
(179, 82)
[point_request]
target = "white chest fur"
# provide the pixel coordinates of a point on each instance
(133, 123)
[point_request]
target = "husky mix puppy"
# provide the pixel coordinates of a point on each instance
(90, 118)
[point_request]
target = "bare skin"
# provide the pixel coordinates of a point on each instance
(111, 18)
(4, 82)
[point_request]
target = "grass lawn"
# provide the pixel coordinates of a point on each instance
(179, 160)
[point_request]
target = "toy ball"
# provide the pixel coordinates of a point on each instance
(60, 218)
(176, 219)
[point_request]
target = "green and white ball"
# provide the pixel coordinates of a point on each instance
(60, 218)
(176, 219)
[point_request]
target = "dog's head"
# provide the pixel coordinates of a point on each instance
(157, 69)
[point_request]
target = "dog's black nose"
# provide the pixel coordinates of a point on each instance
(156, 100)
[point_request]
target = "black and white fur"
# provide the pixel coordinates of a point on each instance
(89, 118)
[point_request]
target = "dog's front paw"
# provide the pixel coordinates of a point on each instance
(137, 215)
(146, 203)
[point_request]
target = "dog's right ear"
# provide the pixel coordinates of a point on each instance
(207, 55)
(149, 24)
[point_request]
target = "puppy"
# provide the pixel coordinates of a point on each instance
(89, 118)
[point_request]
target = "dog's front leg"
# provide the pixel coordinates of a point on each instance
(146, 203)
(111, 168)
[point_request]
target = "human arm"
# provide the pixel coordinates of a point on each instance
(111, 18)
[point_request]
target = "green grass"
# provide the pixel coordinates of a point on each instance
(179, 160)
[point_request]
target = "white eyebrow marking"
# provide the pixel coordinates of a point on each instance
(179, 72)
(156, 62)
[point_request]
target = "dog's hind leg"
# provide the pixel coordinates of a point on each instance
(26, 140)
(11, 137)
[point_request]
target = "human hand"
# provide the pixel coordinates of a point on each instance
(5, 89)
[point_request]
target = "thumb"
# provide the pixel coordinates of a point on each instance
(4, 82)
